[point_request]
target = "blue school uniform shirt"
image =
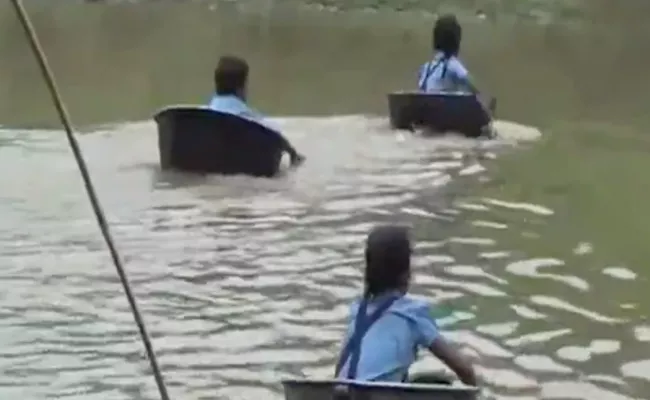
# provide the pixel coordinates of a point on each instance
(231, 104)
(390, 346)
(443, 74)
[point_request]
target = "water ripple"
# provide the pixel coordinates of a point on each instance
(245, 281)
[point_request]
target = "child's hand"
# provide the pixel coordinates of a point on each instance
(297, 159)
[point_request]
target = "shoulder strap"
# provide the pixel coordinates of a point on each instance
(362, 325)
(445, 63)
(431, 67)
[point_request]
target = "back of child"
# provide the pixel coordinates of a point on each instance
(445, 72)
(387, 326)
(231, 86)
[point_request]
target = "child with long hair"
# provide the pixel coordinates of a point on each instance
(387, 326)
(445, 72)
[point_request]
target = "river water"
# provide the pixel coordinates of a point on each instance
(534, 248)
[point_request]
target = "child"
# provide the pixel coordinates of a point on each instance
(387, 325)
(445, 72)
(231, 83)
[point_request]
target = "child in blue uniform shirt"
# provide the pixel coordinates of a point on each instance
(387, 326)
(231, 81)
(445, 72)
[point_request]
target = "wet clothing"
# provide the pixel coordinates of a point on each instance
(443, 74)
(393, 326)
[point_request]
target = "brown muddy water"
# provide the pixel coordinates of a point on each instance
(534, 248)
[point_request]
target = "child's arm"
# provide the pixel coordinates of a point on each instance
(470, 86)
(430, 337)
(449, 355)
(422, 84)
(462, 75)
(296, 158)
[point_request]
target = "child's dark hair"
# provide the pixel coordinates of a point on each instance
(231, 75)
(447, 34)
(388, 259)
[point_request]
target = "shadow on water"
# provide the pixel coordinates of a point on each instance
(538, 269)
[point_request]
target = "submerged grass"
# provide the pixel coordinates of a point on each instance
(592, 176)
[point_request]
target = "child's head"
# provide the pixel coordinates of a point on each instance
(388, 260)
(231, 76)
(447, 35)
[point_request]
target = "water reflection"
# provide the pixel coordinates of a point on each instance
(244, 280)
(582, 350)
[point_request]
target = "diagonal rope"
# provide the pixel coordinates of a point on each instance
(97, 208)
